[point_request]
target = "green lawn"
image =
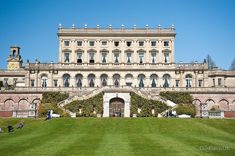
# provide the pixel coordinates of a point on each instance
(119, 136)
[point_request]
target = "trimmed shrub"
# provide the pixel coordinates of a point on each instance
(177, 97)
(53, 97)
(188, 109)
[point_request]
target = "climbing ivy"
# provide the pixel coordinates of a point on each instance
(146, 106)
(53, 97)
(177, 97)
(90, 107)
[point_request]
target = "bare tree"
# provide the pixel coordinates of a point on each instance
(211, 63)
(232, 66)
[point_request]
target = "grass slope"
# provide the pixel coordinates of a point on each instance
(119, 136)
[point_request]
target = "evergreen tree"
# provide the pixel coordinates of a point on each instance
(232, 67)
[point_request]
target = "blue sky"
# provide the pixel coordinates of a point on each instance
(202, 26)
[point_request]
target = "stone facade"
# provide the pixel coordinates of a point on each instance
(140, 58)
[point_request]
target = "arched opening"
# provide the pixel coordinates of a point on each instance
(79, 80)
(91, 80)
(166, 80)
(116, 107)
(116, 80)
(129, 79)
(153, 79)
(224, 105)
(104, 79)
(66, 78)
(44, 81)
(197, 103)
(141, 78)
(188, 79)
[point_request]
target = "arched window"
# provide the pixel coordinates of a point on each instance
(129, 79)
(116, 80)
(66, 78)
(79, 80)
(141, 78)
(166, 80)
(91, 80)
(104, 79)
(153, 79)
(188, 79)
(44, 81)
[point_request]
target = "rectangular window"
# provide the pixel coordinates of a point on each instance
(32, 83)
(79, 57)
(92, 58)
(55, 83)
(166, 43)
(153, 43)
(66, 58)
(66, 43)
(141, 43)
(92, 43)
(166, 57)
(141, 57)
(104, 43)
(104, 58)
(177, 82)
(116, 58)
(5, 81)
(153, 57)
(199, 83)
(219, 81)
(79, 43)
(128, 58)
(213, 82)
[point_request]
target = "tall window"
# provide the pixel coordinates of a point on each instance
(104, 79)
(166, 57)
(66, 43)
(177, 83)
(219, 81)
(141, 78)
(92, 58)
(44, 81)
(188, 79)
(153, 79)
(129, 79)
(153, 57)
(32, 83)
(128, 57)
(91, 80)
(104, 57)
(141, 57)
(166, 80)
(79, 80)
(199, 83)
(116, 80)
(213, 82)
(55, 83)
(79, 57)
(66, 79)
(66, 58)
(116, 58)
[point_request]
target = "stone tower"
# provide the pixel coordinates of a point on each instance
(14, 60)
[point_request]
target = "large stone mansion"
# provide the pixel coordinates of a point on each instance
(116, 62)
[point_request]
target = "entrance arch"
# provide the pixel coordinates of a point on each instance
(116, 107)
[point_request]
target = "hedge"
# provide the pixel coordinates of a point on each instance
(177, 97)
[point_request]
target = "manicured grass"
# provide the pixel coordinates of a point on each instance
(119, 136)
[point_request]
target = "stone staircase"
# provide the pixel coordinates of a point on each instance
(152, 94)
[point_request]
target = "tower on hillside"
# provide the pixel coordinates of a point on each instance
(14, 60)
